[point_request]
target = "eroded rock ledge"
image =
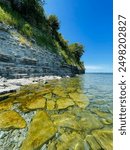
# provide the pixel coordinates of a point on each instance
(20, 57)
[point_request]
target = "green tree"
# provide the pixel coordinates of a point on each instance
(54, 22)
(77, 50)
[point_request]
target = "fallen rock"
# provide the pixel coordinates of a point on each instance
(11, 119)
(41, 130)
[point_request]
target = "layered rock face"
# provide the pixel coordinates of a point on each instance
(22, 58)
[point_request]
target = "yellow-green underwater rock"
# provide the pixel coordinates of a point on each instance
(48, 96)
(63, 103)
(80, 99)
(89, 122)
(11, 119)
(50, 104)
(66, 120)
(5, 105)
(104, 138)
(92, 142)
(34, 103)
(72, 141)
(100, 113)
(59, 91)
(41, 130)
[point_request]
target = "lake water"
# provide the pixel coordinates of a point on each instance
(71, 113)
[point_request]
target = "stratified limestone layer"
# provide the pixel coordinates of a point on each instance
(66, 120)
(34, 103)
(80, 99)
(11, 119)
(71, 141)
(41, 130)
(63, 103)
(92, 142)
(104, 138)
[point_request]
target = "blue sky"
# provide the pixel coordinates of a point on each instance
(90, 23)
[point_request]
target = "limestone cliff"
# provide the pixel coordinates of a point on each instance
(20, 57)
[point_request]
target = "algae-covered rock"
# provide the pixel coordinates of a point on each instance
(59, 91)
(48, 96)
(71, 141)
(80, 99)
(32, 104)
(50, 105)
(104, 138)
(89, 121)
(5, 105)
(11, 119)
(63, 103)
(100, 113)
(92, 142)
(66, 120)
(41, 130)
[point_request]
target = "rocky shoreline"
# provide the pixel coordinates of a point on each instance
(11, 85)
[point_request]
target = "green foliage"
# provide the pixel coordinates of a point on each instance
(77, 50)
(29, 18)
(53, 22)
(31, 10)
(27, 30)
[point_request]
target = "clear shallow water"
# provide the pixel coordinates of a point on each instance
(77, 110)
(99, 85)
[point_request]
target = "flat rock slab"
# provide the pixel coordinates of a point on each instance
(104, 138)
(41, 130)
(5, 105)
(66, 120)
(80, 99)
(35, 103)
(63, 103)
(10, 120)
(89, 121)
(60, 91)
(50, 104)
(92, 142)
(71, 141)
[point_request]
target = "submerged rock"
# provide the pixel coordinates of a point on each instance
(63, 103)
(41, 130)
(5, 105)
(11, 119)
(66, 120)
(50, 104)
(59, 91)
(71, 141)
(89, 121)
(80, 99)
(104, 138)
(34, 103)
(92, 142)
